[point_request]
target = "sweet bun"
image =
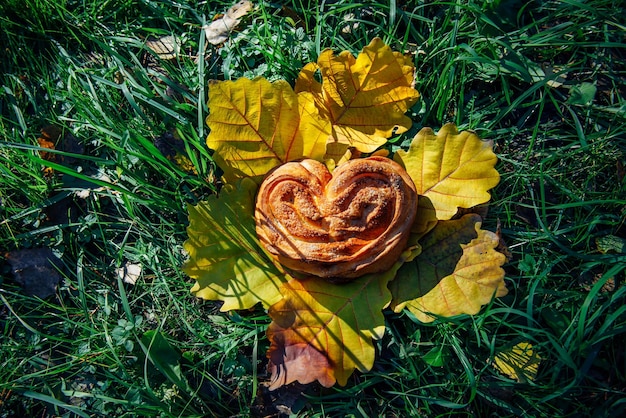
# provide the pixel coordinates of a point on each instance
(338, 226)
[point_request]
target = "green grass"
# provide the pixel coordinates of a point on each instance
(544, 80)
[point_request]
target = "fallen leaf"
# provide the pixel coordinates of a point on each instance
(314, 129)
(129, 273)
(450, 170)
(166, 47)
(257, 125)
(323, 331)
(457, 272)
(46, 142)
(225, 258)
(364, 98)
(519, 362)
(218, 31)
(239, 10)
(589, 280)
(48, 139)
(502, 246)
(36, 270)
(53, 137)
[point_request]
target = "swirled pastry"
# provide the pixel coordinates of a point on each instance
(338, 226)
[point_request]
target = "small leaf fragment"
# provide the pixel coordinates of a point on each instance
(582, 94)
(611, 244)
(54, 137)
(457, 272)
(218, 31)
(450, 170)
(225, 258)
(129, 273)
(435, 357)
(166, 47)
(520, 362)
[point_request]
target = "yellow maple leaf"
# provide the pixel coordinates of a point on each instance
(364, 98)
(457, 272)
(450, 170)
(519, 362)
(257, 125)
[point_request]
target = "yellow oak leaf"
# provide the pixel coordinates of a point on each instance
(450, 170)
(257, 125)
(225, 258)
(364, 98)
(457, 272)
(314, 129)
(519, 362)
(323, 331)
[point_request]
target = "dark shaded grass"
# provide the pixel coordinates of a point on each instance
(515, 72)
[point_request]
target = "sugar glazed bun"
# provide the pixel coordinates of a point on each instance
(338, 226)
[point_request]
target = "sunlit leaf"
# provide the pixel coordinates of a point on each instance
(314, 128)
(323, 331)
(450, 170)
(457, 272)
(257, 125)
(520, 362)
(364, 98)
(224, 254)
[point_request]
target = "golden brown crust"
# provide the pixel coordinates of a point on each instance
(344, 225)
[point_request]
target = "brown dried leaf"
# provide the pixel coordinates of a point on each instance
(36, 270)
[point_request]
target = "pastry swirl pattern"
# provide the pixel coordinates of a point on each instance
(339, 226)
